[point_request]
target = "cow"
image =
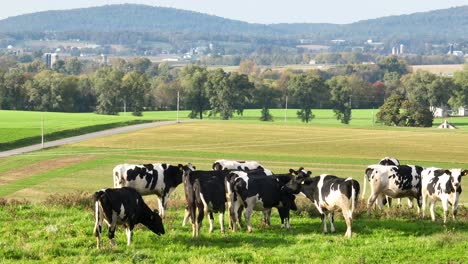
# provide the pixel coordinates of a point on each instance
(205, 191)
(123, 205)
(443, 185)
(330, 193)
(387, 161)
(160, 179)
(262, 193)
(235, 218)
(238, 165)
(394, 181)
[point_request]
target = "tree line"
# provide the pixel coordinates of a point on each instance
(139, 85)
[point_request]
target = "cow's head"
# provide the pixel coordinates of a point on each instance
(186, 169)
(217, 166)
(455, 176)
(388, 161)
(154, 223)
(301, 174)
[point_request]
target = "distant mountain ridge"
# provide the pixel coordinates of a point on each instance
(451, 23)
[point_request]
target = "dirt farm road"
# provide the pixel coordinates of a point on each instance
(75, 139)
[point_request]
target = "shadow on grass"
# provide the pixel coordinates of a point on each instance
(67, 133)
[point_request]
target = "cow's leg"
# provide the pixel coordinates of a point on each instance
(324, 222)
(98, 224)
(221, 222)
(331, 218)
(266, 217)
(161, 207)
(235, 216)
(419, 201)
(239, 215)
(129, 232)
(248, 214)
(410, 202)
(348, 216)
(445, 207)
(201, 214)
(211, 217)
(192, 212)
(389, 201)
(455, 206)
(112, 227)
(370, 202)
(423, 205)
(186, 216)
(431, 208)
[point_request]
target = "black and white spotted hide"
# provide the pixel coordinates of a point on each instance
(124, 206)
(442, 185)
(160, 179)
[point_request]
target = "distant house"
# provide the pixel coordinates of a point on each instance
(462, 111)
(439, 111)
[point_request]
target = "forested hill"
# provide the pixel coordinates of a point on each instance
(449, 23)
(128, 17)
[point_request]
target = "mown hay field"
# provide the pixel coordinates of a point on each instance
(58, 228)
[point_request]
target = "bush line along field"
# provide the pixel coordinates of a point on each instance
(59, 229)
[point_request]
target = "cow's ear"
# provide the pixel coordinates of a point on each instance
(292, 172)
(464, 173)
(309, 173)
(181, 167)
(194, 168)
(448, 172)
(301, 168)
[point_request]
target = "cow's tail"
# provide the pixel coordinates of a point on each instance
(97, 211)
(354, 195)
(364, 181)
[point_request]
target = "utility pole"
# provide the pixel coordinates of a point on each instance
(178, 106)
(286, 110)
(42, 129)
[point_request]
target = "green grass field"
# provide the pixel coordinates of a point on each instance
(61, 231)
(23, 128)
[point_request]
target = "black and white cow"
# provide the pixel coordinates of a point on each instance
(330, 193)
(159, 179)
(205, 191)
(232, 199)
(443, 185)
(387, 161)
(261, 193)
(395, 182)
(239, 165)
(123, 205)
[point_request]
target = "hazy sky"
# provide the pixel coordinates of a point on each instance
(257, 11)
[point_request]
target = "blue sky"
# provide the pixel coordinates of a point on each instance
(258, 11)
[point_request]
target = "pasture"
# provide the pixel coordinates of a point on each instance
(59, 228)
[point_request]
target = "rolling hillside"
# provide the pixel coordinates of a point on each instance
(449, 23)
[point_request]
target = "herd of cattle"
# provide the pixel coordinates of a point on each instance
(235, 186)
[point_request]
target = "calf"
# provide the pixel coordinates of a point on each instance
(387, 161)
(443, 185)
(239, 165)
(394, 181)
(262, 193)
(205, 191)
(330, 193)
(124, 205)
(159, 179)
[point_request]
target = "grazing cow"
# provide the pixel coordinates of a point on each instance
(394, 181)
(262, 193)
(123, 205)
(330, 193)
(443, 185)
(239, 165)
(159, 179)
(205, 191)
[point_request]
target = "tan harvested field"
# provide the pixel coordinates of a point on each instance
(314, 47)
(447, 69)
